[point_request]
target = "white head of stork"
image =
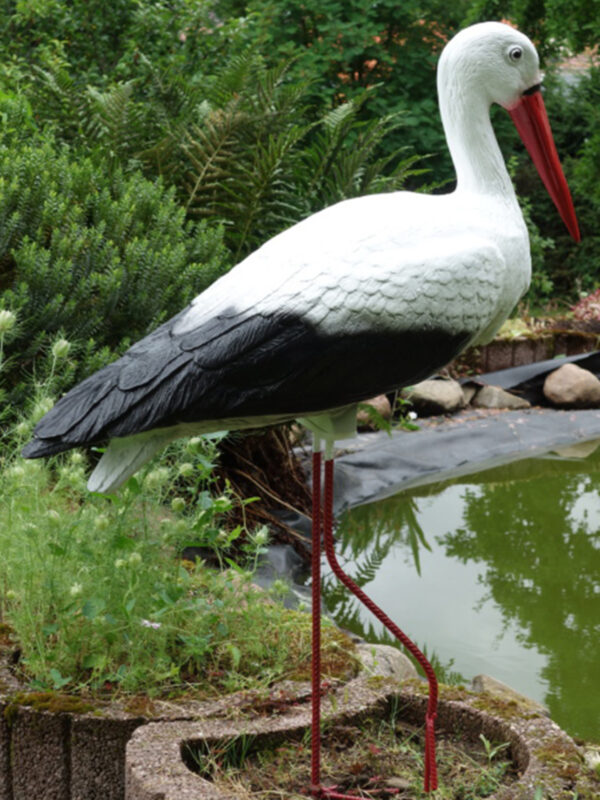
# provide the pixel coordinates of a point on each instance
(366, 296)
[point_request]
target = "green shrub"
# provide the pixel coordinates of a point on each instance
(345, 48)
(96, 256)
(98, 39)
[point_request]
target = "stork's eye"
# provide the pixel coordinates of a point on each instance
(515, 53)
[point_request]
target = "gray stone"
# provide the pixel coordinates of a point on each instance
(469, 389)
(591, 756)
(571, 386)
(385, 661)
(495, 397)
(381, 404)
(435, 396)
(157, 753)
(399, 783)
(485, 683)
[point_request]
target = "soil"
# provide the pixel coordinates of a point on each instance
(373, 759)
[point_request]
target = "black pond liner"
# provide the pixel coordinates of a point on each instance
(388, 464)
(379, 465)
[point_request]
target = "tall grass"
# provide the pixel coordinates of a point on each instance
(96, 596)
(96, 593)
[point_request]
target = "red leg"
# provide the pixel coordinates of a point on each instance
(315, 774)
(317, 789)
(430, 765)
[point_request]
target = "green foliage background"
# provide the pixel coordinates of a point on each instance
(146, 146)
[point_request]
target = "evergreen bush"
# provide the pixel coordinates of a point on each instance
(97, 256)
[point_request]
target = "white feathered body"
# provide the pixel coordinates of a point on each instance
(388, 261)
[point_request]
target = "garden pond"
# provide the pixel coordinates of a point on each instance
(496, 572)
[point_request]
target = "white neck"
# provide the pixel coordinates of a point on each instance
(477, 158)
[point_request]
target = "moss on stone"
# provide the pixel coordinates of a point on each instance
(505, 708)
(454, 693)
(338, 657)
(380, 681)
(564, 761)
(53, 702)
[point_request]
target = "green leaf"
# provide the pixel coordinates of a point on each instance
(93, 661)
(50, 629)
(236, 655)
(58, 680)
(93, 607)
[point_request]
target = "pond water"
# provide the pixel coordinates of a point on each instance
(495, 573)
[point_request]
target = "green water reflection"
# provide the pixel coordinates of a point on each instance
(501, 569)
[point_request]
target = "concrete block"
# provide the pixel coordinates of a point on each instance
(40, 754)
(5, 776)
(498, 355)
(98, 757)
(523, 351)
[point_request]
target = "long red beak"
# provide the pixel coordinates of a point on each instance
(531, 120)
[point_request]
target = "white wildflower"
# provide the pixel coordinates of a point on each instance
(178, 504)
(101, 522)
(194, 444)
(43, 405)
(222, 538)
(8, 321)
(23, 429)
(60, 349)
(261, 537)
(181, 526)
(157, 477)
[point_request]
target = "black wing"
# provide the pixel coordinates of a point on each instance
(237, 365)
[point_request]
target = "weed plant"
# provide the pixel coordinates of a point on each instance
(94, 591)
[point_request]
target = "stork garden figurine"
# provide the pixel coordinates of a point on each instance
(364, 297)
